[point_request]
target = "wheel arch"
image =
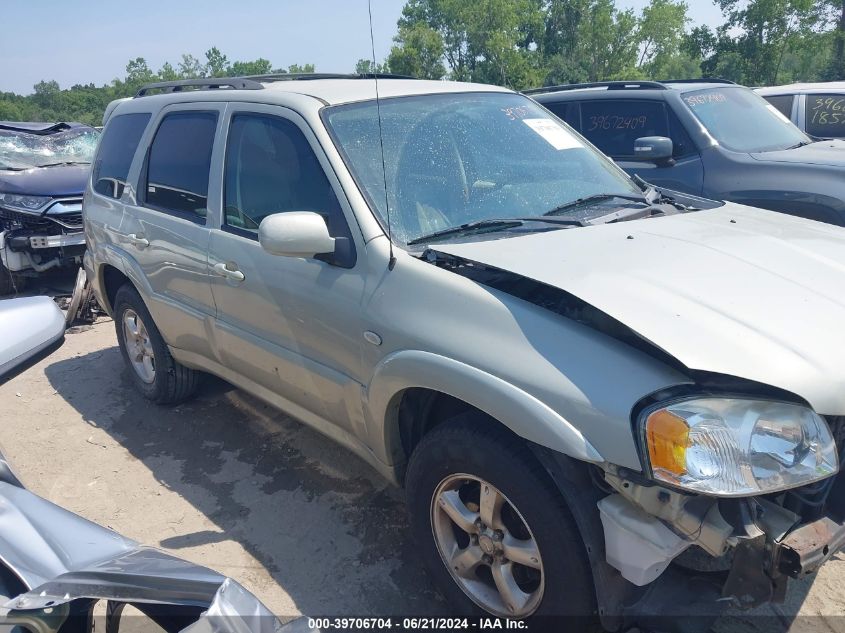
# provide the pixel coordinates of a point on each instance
(412, 391)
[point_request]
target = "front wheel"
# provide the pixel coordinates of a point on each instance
(494, 533)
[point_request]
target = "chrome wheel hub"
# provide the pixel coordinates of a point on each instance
(139, 349)
(487, 546)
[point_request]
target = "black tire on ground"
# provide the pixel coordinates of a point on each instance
(479, 446)
(10, 283)
(173, 382)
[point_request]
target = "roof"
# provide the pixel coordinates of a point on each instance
(329, 89)
(802, 87)
(337, 91)
(618, 87)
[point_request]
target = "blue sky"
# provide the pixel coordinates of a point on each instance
(82, 41)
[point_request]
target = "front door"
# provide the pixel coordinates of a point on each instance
(290, 325)
(613, 125)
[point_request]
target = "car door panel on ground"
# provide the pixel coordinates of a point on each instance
(614, 125)
(165, 231)
(291, 325)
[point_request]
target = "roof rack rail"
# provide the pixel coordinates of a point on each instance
(236, 83)
(309, 76)
(610, 85)
(700, 80)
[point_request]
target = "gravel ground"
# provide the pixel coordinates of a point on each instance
(231, 483)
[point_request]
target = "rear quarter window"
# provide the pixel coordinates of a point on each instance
(782, 103)
(116, 151)
(826, 115)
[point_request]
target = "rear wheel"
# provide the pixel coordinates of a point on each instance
(156, 374)
(495, 534)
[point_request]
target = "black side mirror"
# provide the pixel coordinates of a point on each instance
(656, 149)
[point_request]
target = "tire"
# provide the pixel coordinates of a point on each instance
(169, 382)
(10, 283)
(478, 447)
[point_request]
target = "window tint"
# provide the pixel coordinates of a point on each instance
(826, 115)
(682, 144)
(783, 103)
(271, 168)
(117, 148)
(178, 164)
(613, 126)
(568, 111)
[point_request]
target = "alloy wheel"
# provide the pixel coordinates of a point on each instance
(139, 348)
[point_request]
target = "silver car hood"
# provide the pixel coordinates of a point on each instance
(734, 290)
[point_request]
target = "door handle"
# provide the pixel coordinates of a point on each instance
(135, 240)
(229, 271)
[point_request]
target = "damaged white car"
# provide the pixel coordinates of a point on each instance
(602, 399)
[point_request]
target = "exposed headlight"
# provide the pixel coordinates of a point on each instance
(735, 447)
(23, 203)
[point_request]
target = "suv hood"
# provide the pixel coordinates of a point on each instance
(735, 290)
(830, 153)
(59, 181)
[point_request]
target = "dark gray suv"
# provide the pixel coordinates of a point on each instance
(710, 138)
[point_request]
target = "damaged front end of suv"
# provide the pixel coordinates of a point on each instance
(43, 170)
(738, 488)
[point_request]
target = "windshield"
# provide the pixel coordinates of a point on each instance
(455, 159)
(21, 150)
(742, 121)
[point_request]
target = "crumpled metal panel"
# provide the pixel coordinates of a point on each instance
(734, 290)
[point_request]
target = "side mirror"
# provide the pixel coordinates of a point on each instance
(657, 149)
(295, 234)
(32, 327)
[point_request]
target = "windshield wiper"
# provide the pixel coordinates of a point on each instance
(595, 199)
(65, 162)
(469, 227)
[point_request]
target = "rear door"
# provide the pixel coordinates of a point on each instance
(613, 125)
(289, 325)
(165, 229)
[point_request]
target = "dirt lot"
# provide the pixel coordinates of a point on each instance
(228, 482)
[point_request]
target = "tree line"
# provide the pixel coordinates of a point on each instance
(528, 43)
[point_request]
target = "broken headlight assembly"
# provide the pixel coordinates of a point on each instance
(23, 203)
(734, 447)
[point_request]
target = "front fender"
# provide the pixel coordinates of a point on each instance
(521, 412)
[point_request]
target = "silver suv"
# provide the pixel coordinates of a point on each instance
(603, 400)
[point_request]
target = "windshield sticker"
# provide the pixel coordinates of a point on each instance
(703, 99)
(554, 134)
(827, 110)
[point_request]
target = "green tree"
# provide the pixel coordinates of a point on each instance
(303, 69)
(190, 67)
(661, 32)
(418, 52)
(216, 63)
(366, 67)
(258, 66)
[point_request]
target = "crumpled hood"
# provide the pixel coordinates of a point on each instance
(60, 181)
(830, 153)
(734, 290)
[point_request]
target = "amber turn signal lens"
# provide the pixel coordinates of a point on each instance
(667, 437)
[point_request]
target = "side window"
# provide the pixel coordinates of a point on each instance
(117, 148)
(614, 125)
(682, 144)
(826, 115)
(271, 168)
(782, 103)
(178, 164)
